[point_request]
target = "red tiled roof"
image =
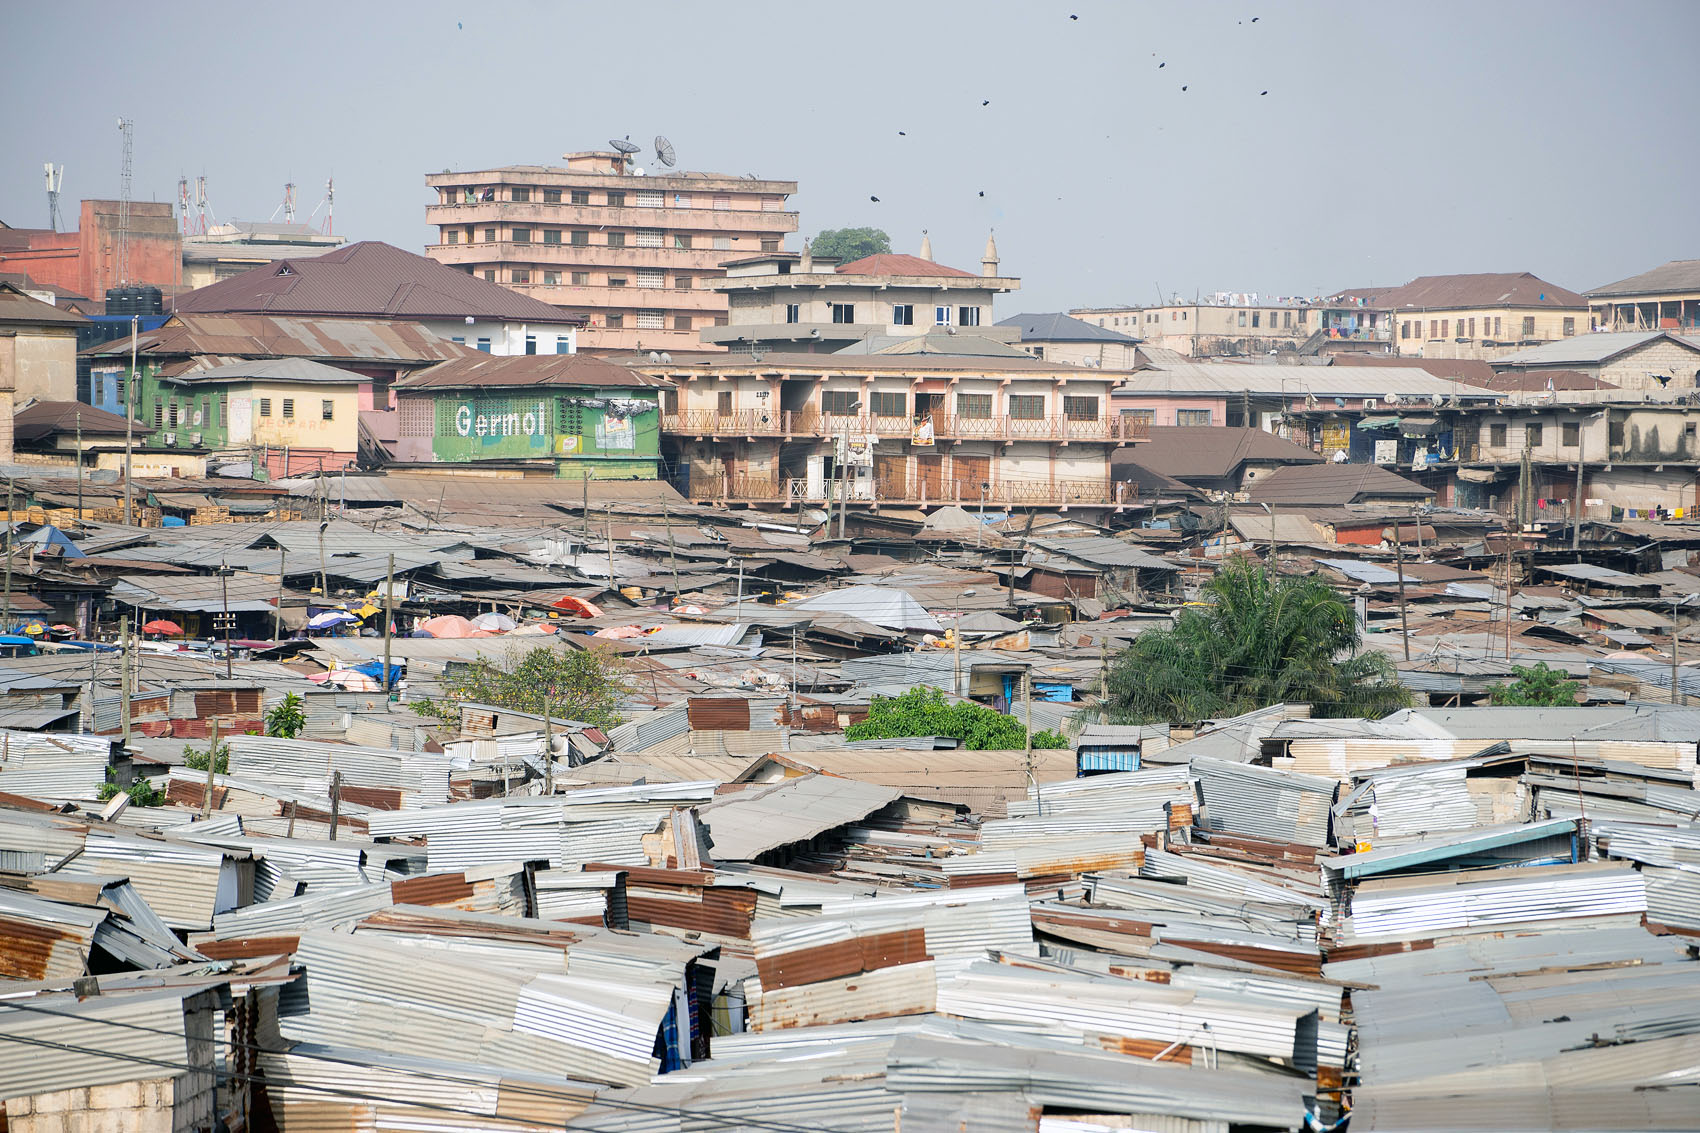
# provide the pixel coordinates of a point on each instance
(891, 263)
(357, 341)
(1491, 289)
(367, 280)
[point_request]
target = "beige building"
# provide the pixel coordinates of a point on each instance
(1231, 325)
(1666, 298)
(797, 302)
(920, 430)
(1483, 316)
(638, 254)
(1056, 337)
(38, 355)
(231, 249)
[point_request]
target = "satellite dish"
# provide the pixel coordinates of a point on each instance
(1340, 403)
(637, 171)
(664, 151)
(1434, 400)
(1390, 399)
(625, 146)
(654, 356)
(666, 358)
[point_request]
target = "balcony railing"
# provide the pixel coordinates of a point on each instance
(910, 492)
(945, 427)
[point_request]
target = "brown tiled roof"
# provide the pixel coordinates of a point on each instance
(16, 307)
(368, 280)
(484, 370)
(259, 336)
(41, 419)
(1201, 452)
(1491, 289)
(1517, 380)
(1473, 371)
(894, 263)
(1333, 485)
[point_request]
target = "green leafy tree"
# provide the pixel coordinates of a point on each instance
(195, 759)
(141, 792)
(1539, 686)
(846, 244)
(1259, 640)
(287, 718)
(576, 684)
(923, 711)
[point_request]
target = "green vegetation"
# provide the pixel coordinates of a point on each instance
(288, 718)
(922, 711)
(577, 684)
(1539, 686)
(846, 244)
(1260, 640)
(195, 759)
(141, 792)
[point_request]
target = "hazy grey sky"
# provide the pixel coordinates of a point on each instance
(1395, 140)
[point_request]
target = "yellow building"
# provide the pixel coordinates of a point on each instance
(1483, 316)
(289, 414)
(38, 355)
(1666, 298)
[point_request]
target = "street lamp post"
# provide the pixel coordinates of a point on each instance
(956, 643)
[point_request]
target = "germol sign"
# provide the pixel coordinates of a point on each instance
(527, 421)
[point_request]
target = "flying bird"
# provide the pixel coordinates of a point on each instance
(982, 192)
(1160, 66)
(1254, 19)
(876, 200)
(903, 133)
(1261, 95)
(1074, 17)
(1183, 86)
(985, 102)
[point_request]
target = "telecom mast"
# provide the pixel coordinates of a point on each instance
(127, 128)
(55, 178)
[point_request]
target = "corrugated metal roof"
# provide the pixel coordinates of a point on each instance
(765, 817)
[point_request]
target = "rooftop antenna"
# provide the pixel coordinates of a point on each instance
(201, 206)
(127, 128)
(625, 148)
(55, 178)
(664, 151)
(328, 203)
(183, 205)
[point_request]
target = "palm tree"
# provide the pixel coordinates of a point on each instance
(1261, 639)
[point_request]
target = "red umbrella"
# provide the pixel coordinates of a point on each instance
(163, 627)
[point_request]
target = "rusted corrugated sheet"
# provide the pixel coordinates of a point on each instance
(843, 958)
(247, 947)
(34, 951)
(1151, 1050)
(719, 713)
(725, 913)
(378, 798)
(188, 793)
(437, 889)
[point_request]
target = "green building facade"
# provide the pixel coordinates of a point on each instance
(611, 433)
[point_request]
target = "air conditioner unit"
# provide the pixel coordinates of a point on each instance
(194, 440)
(171, 440)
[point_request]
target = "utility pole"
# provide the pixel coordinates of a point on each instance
(336, 801)
(324, 586)
(672, 559)
(1576, 511)
(130, 423)
(224, 618)
(1675, 696)
(793, 709)
(277, 621)
(1027, 744)
(1103, 681)
(548, 749)
(608, 511)
(124, 673)
(1508, 597)
(1399, 564)
(212, 765)
(389, 616)
(79, 467)
(11, 523)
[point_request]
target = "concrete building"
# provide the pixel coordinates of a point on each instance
(85, 262)
(921, 430)
(800, 303)
(638, 256)
(231, 249)
(573, 418)
(1074, 342)
(1479, 316)
(1665, 298)
(1645, 359)
(38, 347)
(371, 280)
(1227, 325)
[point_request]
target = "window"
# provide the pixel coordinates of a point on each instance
(1445, 328)
(844, 312)
(1569, 327)
(1287, 320)
(1080, 408)
(1496, 435)
(616, 198)
(451, 236)
(1405, 329)
(459, 339)
(520, 193)
(522, 275)
(616, 239)
(490, 275)
(531, 344)
(648, 198)
(681, 200)
(327, 410)
(616, 281)
(793, 313)
(1255, 316)
(616, 322)
(551, 235)
(770, 243)
(885, 404)
(1026, 407)
(551, 196)
(483, 344)
(581, 237)
(651, 277)
(681, 240)
(221, 409)
(652, 320)
(968, 316)
(681, 322)
(1242, 319)
(171, 416)
(903, 314)
(722, 201)
(1532, 436)
(551, 278)
(1472, 333)
(265, 407)
(941, 316)
(289, 408)
(1496, 330)
(1149, 416)
(722, 243)
(838, 402)
(1528, 326)
(489, 235)
(1614, 435)
(564, 344)
(581, 279)
(649, 238)
(1570, 434)
(1434, 328)
(581, 196)
(682, 282)
(723, 403)
(975, 405)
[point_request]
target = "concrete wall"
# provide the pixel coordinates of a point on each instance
(39, 364)
(507, 338)
(1103, 355)
(1164, 410)
(1634, 370)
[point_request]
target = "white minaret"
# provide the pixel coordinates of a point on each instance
(926, 245)
(989, 261)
